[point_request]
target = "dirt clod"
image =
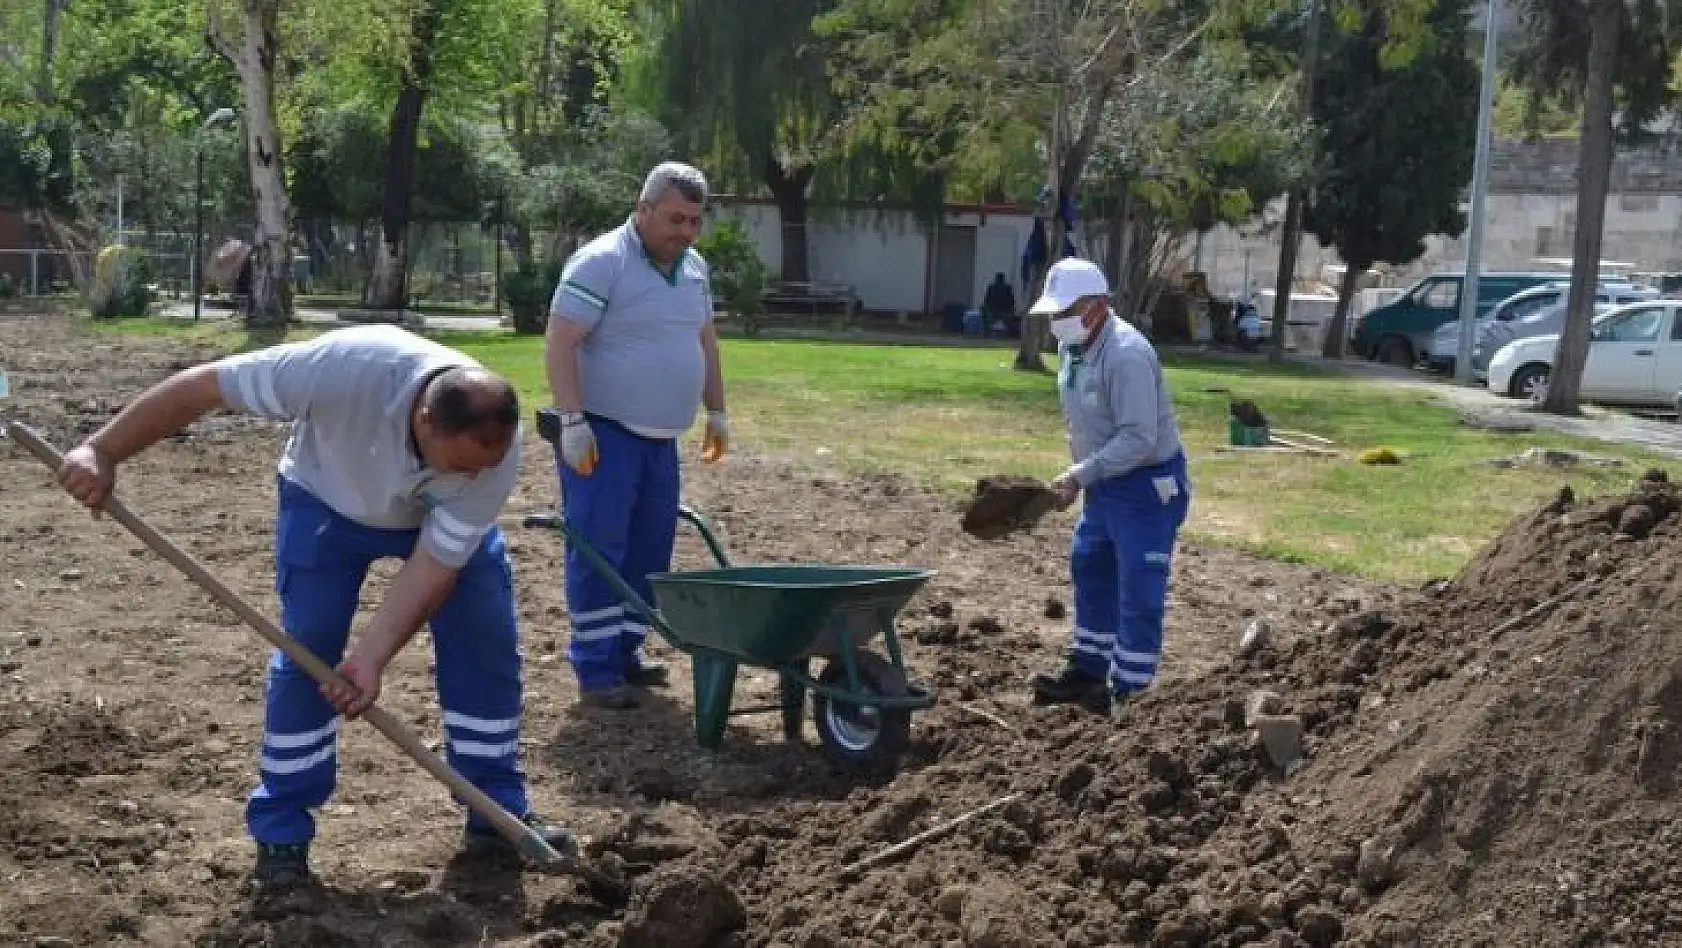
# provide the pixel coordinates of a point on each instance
(680, 906)
(1006, 503)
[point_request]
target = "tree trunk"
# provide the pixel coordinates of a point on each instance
(789, 188)
(1332, 347)
(270, 299)
(49, 45)
(1291, 240)
(1594, 167)
(388, 283)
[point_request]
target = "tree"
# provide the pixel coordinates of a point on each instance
(1395, 145)
(757, 101)
(388, 284)
(1615, 60)
(254, 59)
(996, 66)
(1186, 147)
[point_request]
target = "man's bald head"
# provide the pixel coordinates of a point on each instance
(467, 400)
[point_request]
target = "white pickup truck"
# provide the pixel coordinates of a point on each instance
(1635, 358)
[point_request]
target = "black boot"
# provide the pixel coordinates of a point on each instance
(281, 865)
(1073, 685)
(644, 672)
(487, 843)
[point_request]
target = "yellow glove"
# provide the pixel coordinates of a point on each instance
(717, 438)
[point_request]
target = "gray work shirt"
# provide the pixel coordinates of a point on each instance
(349, 394)
(1119, 414)
(641, 364)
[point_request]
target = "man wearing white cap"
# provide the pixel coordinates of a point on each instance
(1129, 463)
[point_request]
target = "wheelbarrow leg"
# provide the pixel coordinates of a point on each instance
(715, 680)
(793, 696)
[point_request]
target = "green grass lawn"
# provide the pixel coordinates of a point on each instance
(949, 415)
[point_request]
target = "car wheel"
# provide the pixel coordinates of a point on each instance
(1394, 351)
(1529, 383)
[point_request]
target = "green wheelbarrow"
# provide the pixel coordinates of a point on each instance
(783, 617)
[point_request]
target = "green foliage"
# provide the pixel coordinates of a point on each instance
(739, 276)
(38, 159)
(1202, 144)
(528, 289)
(1396, 141)
(763, 91)
(591, 173)
(1551, 61)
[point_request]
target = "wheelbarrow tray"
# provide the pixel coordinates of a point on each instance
(777, 614)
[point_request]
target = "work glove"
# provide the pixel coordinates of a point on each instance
(578, 443)
(717, 438)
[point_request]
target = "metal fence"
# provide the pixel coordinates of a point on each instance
(451, 263)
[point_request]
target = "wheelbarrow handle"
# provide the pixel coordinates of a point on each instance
(611, 575)
(522, 836)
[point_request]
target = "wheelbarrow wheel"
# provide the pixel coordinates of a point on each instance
(860, 737)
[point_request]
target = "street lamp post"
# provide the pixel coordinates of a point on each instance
(1469, 290)
(218, 116)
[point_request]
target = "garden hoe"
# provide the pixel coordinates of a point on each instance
(525, 838)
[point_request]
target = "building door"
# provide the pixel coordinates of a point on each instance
(954, 267)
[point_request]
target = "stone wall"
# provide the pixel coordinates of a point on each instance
(1549, 166)
(1529, 223)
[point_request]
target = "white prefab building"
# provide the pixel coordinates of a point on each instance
(891, 260)
(894, 264)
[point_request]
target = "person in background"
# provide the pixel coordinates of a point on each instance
(631, 352)
(998, 306)
(1129, 464)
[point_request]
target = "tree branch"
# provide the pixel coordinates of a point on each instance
(213, 36)
(1179, 48)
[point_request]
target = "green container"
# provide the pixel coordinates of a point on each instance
(1242, 434)
(776, 614)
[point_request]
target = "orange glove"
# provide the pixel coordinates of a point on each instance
(717, 438)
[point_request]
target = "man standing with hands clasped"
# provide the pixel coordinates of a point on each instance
(631, 352)
(1129, 462)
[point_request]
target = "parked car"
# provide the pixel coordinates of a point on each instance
(1635, 358)
(1520, 315)
(1548, 321)
(1400, 331)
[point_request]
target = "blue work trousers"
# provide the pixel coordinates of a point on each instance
(322, 559)
(1119, 562)
(626, 509)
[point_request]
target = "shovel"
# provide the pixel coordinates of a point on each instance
(524, 837)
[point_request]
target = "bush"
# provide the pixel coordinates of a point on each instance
(527, 290)
(121, 283)
(739, 277)
(8, 286)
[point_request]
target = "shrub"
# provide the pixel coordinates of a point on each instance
(739, 277)
(121, 283)
(527, 289)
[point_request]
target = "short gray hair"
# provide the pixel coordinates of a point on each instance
(687, 179)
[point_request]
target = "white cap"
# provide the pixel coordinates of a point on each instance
(1070, 280)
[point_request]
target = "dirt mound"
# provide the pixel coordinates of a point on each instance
(1509, 773)
(1005, 503)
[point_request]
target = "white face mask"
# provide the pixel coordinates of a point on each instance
(1069, 330)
